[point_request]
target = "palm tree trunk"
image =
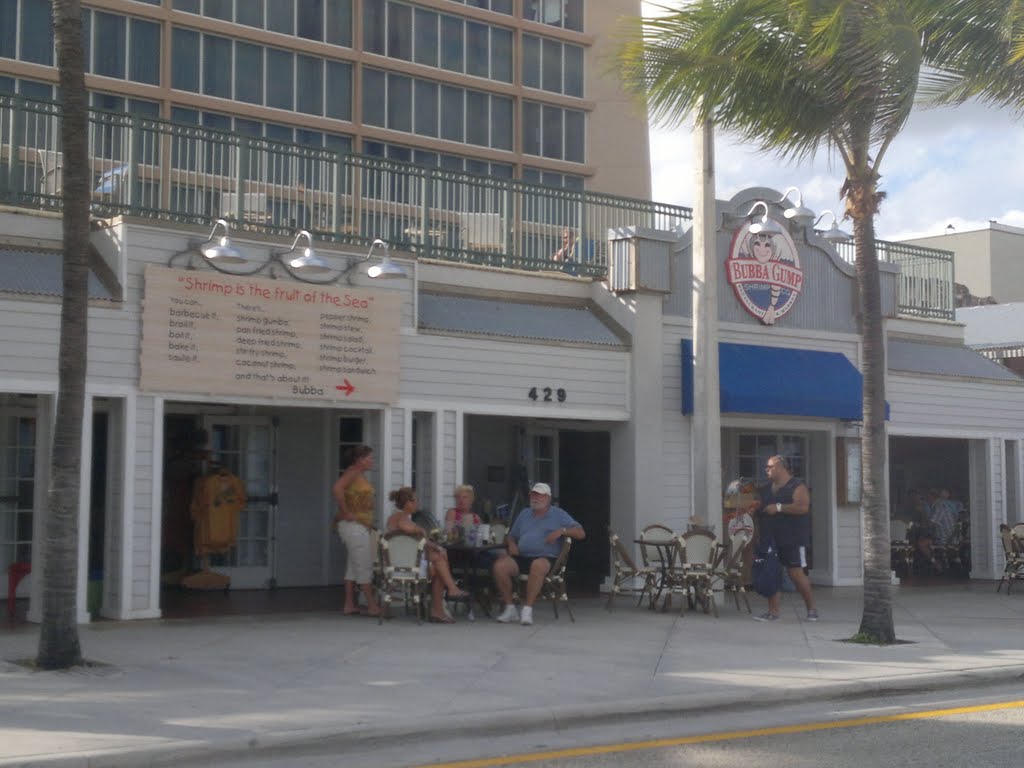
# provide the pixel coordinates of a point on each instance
(59, 646)
(876, 621)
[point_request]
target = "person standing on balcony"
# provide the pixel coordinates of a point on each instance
(568, 250)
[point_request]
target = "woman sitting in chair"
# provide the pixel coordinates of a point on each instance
(462, 515)
(440, 573)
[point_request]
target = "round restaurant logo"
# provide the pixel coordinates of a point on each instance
(764, 271)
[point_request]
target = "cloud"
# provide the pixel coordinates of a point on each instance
(949, 165)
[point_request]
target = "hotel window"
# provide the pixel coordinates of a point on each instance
(427, 108)
(338, 100)
(553, 179)
(409, 33)
(567, 14)
(498, 6)
(328, 21)
(249, 73)
(554, 132)
(552, 66)
(36, 32)
(217, 66)
(310, 97)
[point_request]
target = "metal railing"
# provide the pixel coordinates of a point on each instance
(175, 172)
(925, 281)
(184, 173)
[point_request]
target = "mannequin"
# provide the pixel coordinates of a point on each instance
(217, 499)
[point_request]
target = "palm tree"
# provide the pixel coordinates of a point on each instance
(59, 645)
(796, 77)
(980, 45)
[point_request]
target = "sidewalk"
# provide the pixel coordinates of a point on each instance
(174, 689)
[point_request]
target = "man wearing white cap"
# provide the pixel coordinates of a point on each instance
(533, 545)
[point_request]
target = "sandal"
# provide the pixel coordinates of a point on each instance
(440, 620)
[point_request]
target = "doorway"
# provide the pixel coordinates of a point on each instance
(585, 493)
(245, 446)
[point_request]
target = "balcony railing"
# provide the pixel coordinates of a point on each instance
(925, 281)
(175, 172)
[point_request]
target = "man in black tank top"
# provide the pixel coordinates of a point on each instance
(784, 517)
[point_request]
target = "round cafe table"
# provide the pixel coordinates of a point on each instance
(464, 560)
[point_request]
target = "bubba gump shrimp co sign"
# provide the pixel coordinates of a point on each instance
(764, 272)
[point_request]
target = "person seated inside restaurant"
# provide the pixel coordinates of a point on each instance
(533, 546)
(440, 574)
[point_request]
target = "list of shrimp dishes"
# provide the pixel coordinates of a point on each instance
(219, 334)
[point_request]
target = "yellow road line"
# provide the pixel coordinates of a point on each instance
(555, 754)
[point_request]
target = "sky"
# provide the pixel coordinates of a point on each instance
(962, 166)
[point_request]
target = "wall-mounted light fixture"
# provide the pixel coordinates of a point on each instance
(220, 251)
(798, 213)
(308, 262)
(764, 224)
(303, 264)
(386, 268)
(833, 234)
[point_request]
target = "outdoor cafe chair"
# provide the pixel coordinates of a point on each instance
(1013, 551)
(658, 551)
(729, 566)
(402, 557)
(698, 551)
(627, 573)
(901, 551)
(553, 588)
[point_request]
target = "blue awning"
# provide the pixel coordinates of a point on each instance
(781, 381)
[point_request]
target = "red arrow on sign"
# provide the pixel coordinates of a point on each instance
(347, 388)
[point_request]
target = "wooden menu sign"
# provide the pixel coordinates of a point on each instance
(226, 335)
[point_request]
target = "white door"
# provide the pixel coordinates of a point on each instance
(246, 447)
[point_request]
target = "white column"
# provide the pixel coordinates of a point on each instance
(707, 421)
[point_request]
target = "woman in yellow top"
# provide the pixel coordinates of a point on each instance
(440, 573)
(354, 521)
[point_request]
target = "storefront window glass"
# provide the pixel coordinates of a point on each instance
(756, 449)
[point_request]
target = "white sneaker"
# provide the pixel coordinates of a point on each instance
(527, 615)
(509, 614)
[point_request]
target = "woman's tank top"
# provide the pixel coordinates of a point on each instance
(359, 498)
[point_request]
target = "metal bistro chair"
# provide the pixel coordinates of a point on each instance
(658, 552)
(627, 573)
(901, 551)
(402, 573)
(697, 553)
(729, 567)
(1013, 550)
(553, 588)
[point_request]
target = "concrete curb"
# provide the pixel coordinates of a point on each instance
(502, 722)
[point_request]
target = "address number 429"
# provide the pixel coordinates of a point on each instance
(547, 394)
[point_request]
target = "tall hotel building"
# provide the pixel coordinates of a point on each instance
(503, 88)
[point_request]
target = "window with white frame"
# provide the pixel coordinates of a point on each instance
(17, 488)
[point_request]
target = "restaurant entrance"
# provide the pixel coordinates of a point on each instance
(930, 494)
(505, 455)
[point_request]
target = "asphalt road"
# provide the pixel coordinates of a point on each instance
(980, 728)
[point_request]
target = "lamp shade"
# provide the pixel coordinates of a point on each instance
(386, 269)
(221, 251)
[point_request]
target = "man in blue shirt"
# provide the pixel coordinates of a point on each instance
(533, 545)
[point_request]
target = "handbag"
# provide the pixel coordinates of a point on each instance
(766, 571)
